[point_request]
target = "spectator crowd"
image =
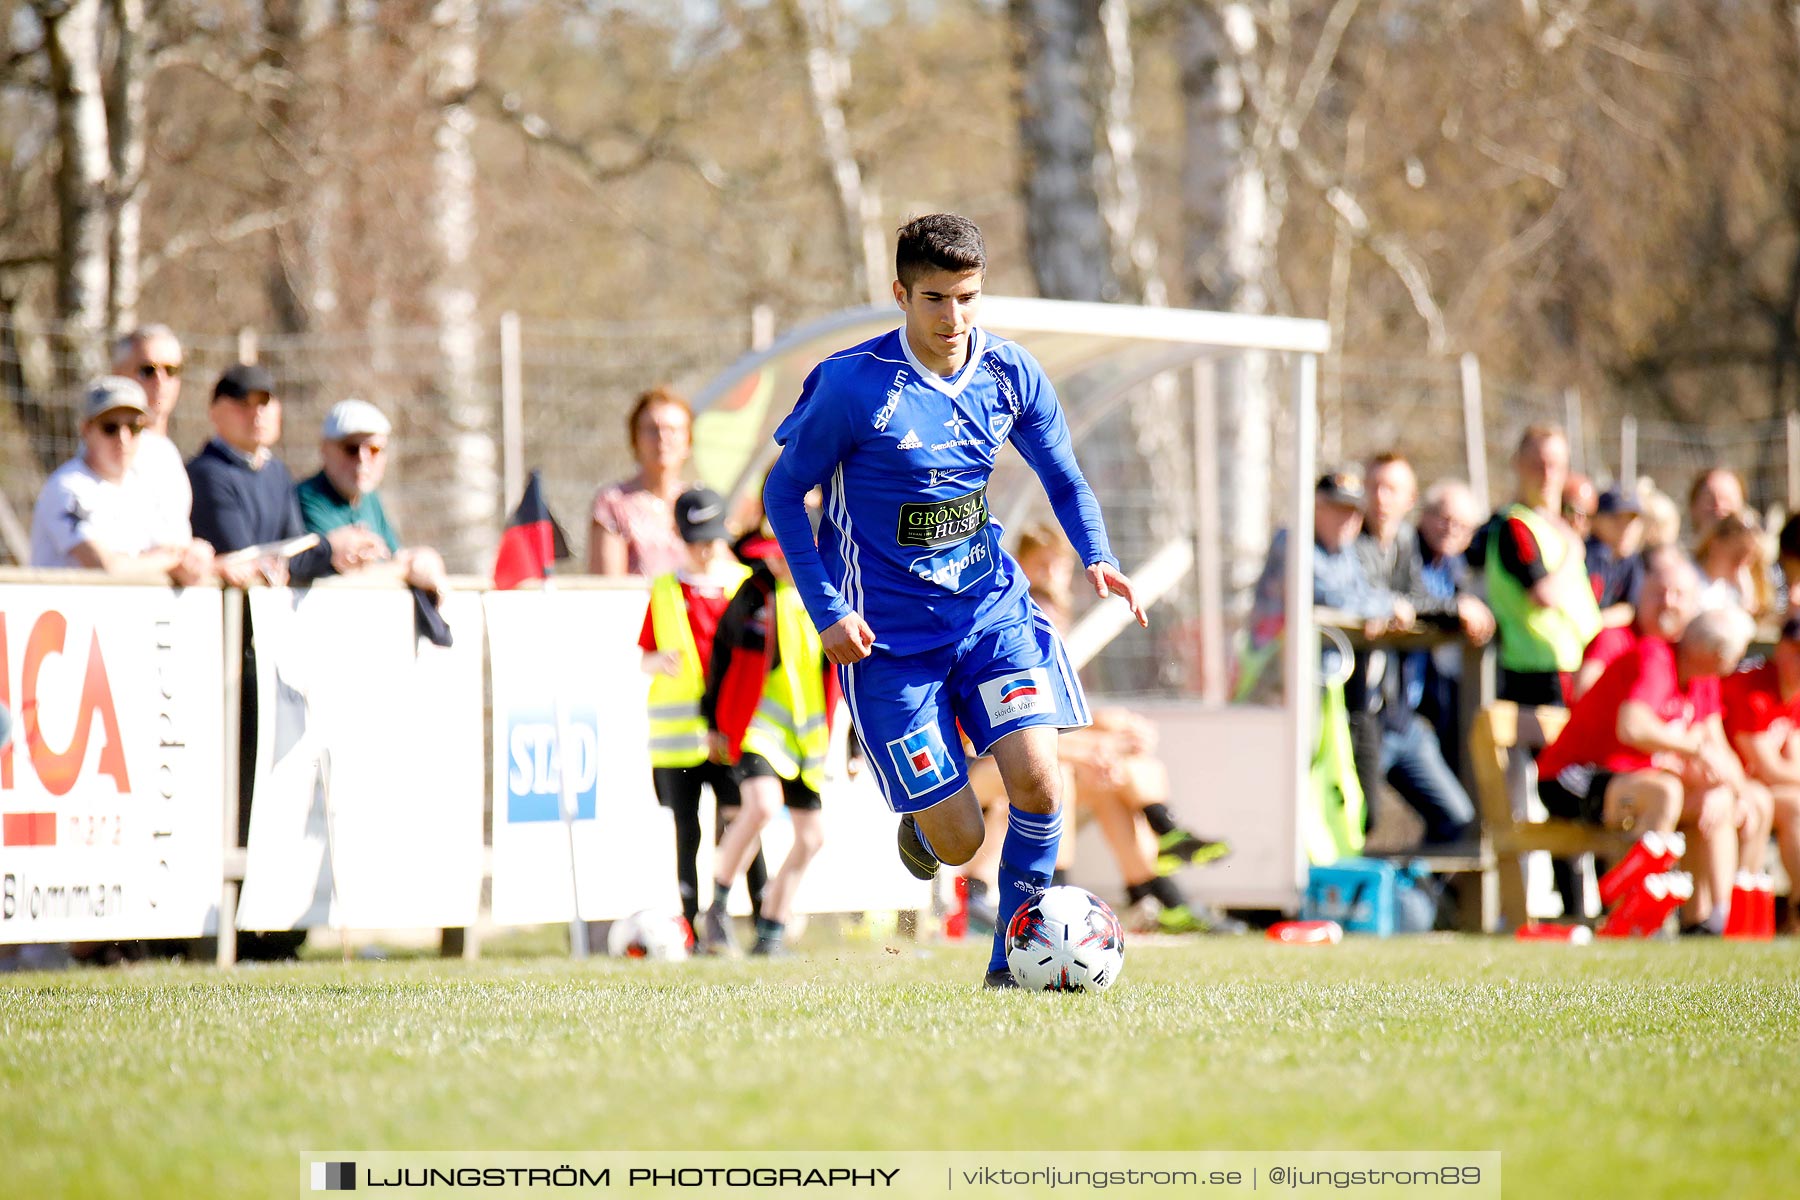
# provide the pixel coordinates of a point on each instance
(1601, 603)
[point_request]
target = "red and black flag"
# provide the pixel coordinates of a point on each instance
(533, 540)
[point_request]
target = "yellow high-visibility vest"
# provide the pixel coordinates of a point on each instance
(677, 730)
(1534, 638)
(789, 727)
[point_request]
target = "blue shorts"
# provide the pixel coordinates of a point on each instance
(1010, 676)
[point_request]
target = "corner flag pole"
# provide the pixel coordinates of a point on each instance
(565, 787)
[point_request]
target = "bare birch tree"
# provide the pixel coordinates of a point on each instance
(302, 174)
(72, 44)
(1064, 235)
(816, 25)
(1230, 256)
(474, 479)
(127, 131)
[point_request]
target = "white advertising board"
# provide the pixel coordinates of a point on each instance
(112, 791)
(579, 648)
(367, 808)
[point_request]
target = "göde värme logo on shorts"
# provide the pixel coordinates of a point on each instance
(943, 522)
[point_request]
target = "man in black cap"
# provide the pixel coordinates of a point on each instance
(244, 495)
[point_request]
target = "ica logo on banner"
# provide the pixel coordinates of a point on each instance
(47, 703)
(534, 764)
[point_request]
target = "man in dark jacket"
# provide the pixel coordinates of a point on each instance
(244, 495)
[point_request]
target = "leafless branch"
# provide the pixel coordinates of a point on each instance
(184, 243)
(659, 145)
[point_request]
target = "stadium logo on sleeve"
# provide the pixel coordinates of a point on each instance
(921, 762)
(890, 402)
(334, 1177)
(1021, 694)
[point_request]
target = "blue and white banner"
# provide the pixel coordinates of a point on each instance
(578, 647)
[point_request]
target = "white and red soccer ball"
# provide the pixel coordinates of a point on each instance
(649, 933)
(1065, 939)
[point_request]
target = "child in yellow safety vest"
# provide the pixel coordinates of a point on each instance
(677, 641)
(769, 700)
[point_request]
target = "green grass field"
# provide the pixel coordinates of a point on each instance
(1628, 1070)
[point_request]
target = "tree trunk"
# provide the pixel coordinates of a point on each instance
(72, 41)
(127, 121)
(473, 494)
(1064, 236)
(1160, 460)
(814, 24)
(1131, 251)
(1230, 258)
(302, 282)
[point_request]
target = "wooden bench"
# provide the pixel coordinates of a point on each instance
(1502, 738)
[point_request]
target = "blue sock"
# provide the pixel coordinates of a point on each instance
(1027, 858)
(919, 832)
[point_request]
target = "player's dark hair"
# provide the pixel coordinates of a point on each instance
(941, 242)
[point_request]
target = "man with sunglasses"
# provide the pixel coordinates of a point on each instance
(345, 493)
(95, 511)
(151, 354)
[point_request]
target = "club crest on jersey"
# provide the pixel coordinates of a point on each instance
(1020, 694)
(992, 366)
(921, 761)
(1000, 424)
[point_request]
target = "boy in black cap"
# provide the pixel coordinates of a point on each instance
(677, 640)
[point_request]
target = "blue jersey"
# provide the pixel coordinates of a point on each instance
(904, 455)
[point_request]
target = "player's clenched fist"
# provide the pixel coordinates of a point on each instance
(848, 641)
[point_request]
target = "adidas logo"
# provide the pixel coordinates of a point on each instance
(911, 440)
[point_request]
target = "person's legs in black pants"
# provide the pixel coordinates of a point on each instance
(678, 790)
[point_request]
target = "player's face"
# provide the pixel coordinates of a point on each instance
(940, 311)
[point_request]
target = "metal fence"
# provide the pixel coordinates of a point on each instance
(575, 381)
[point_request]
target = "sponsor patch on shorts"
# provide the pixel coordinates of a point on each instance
(1018, 694)
(921, 761)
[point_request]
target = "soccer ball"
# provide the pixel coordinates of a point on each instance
(650, 933)
(1065, 939)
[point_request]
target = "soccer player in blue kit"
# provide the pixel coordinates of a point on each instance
(928, 619)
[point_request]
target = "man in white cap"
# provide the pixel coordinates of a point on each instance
(95, 511)
(353, 450)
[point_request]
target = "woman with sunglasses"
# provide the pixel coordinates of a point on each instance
(95, 511)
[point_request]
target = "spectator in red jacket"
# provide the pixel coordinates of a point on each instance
(1645, 749)
(1762, 719)
(1667, 599)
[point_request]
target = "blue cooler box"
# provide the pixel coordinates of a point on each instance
(1368, 895)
